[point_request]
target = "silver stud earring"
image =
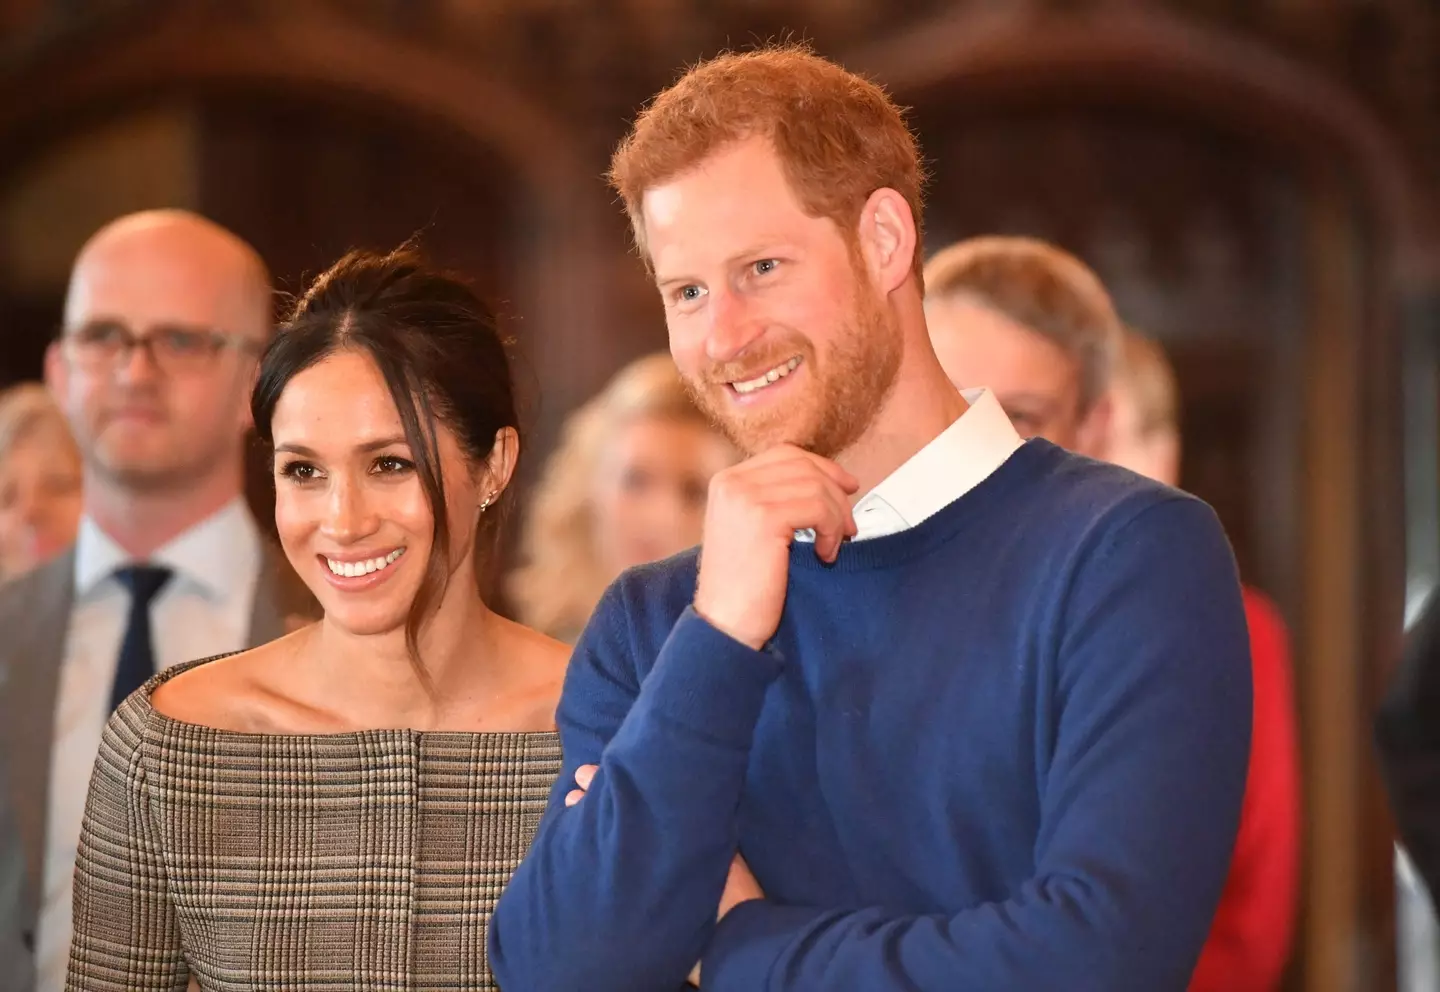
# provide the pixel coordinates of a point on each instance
(485, 504)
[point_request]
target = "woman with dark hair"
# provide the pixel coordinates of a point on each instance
(341, 808)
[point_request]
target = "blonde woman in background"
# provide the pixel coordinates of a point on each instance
(39, 480)
(626, 486)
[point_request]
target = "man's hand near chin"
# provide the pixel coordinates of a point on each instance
(740, 884)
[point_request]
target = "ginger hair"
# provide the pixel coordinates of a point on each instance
(839, 136)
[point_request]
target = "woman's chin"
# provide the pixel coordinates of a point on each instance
(366, 623)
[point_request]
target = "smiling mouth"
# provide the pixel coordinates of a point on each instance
(747, 386)
(353, 569)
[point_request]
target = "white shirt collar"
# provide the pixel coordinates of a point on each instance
(957, 460)
(220, 555)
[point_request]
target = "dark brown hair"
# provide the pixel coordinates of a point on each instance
(439, 350)
(838, 135)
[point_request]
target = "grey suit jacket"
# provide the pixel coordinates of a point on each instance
(16, 968)
(34, 620)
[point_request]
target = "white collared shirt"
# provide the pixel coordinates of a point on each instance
(204, 609)
(957, 460)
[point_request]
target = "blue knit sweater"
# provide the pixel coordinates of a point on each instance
(1004, 749)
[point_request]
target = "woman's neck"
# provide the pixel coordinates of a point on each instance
(373, 679)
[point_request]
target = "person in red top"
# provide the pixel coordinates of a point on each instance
(1249, 941)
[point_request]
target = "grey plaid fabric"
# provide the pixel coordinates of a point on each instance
(367, 860)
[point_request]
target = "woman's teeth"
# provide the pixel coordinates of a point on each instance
(761, 381)
(350, 569)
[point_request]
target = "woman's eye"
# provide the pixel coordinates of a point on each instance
(689, 294)
(765, 266)
(299, 471)
(390, 464)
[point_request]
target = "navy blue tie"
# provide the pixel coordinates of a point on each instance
(137, 654)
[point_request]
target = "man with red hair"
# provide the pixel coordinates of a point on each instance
(931, 708)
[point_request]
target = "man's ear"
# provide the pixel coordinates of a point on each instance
(887, 240)
(247, 419)
(57, 373)
(1093, 436)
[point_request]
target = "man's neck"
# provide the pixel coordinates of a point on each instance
(142, 522)
(921, 404)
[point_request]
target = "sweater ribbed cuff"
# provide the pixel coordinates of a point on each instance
(750, 939)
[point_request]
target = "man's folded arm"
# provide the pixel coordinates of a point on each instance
(620, 890)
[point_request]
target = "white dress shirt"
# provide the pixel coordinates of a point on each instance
(959, 458)
(204, 609)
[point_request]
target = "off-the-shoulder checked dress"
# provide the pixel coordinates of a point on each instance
(367, 860)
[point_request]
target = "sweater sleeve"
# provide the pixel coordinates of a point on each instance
(1139, 805)
(620, 891)
(127, 936)
(1250, 939)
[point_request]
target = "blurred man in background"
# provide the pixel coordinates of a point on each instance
(164, 319)
(1407, 730)
(1032, 324)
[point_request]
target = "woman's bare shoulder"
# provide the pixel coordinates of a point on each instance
(541, 662)
(544, 654)
(221, 693)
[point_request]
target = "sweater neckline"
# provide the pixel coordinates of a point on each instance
(895, 549)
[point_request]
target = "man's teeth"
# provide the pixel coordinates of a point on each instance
(761, 381)
(350, 569)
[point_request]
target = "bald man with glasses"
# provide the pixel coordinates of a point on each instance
(164, 321)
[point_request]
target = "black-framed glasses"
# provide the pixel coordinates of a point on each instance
(175, 349)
